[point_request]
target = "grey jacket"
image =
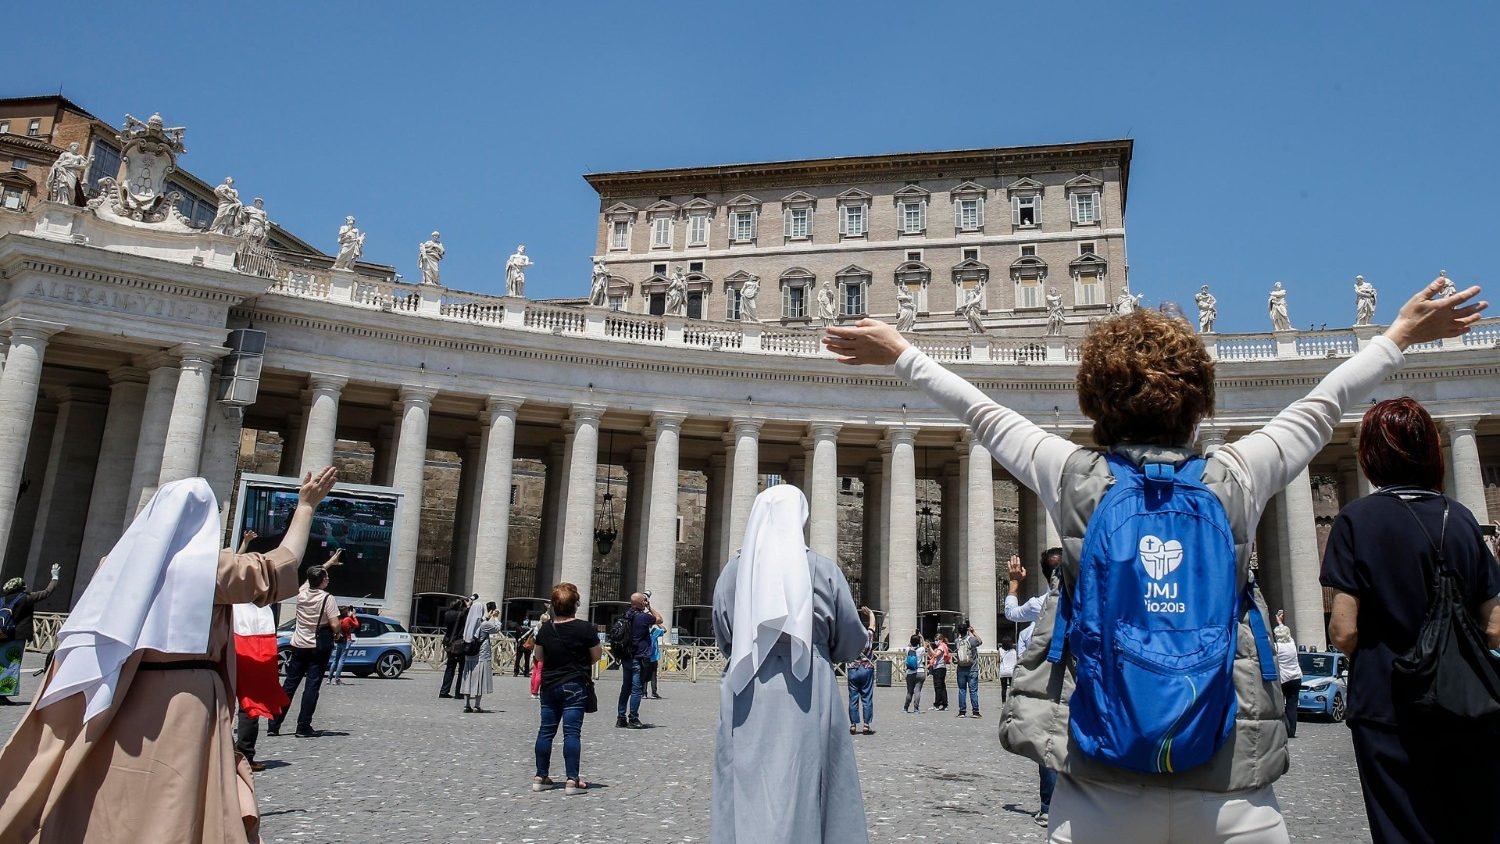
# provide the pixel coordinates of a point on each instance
(1035, 718)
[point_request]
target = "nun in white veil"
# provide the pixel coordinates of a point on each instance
(784, 768)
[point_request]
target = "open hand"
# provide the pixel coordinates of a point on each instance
(336, 559)
(1424, 318)
(250, 536)
(56, 571)
(315, 485)
(868, 341)
(1016, 570)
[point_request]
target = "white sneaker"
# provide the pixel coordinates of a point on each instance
(1041, 819)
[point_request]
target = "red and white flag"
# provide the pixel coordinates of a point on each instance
(258, 686)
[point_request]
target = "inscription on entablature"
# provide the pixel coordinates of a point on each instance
(124, 302)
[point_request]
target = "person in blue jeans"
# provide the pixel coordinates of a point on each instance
(569, 648)
(860, 676)
(967, 644)
(633, 671)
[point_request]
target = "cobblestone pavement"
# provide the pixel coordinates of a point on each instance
(402, 766)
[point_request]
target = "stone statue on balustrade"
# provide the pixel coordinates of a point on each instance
(66, 176)
(599, 285)
(749, 299)
(227, 218)
(906, 309)
(1208, 310)
(429, 256)
(677, 295)
(1365, 296)
(1449, 288)
(1126, 302)
(351, 245)
(828, 307)
(971, 309)
(1276, 307)
(515, 272)
(254, 225)
(1056, 322)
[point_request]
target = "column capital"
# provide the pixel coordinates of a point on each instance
(823, 430)
(668, 420)
(1211, 438)
(718, 461)
(500, 406)
(740, 426)
(413, 394)
(26, 328)
(321, 382)
(472, 442)
(127, 375)
(898, 436)
(88, 395)
(591, 413)
(197, 354)
(1457, 425)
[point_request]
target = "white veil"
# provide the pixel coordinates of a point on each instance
(773, 587)
(474, 619)
(154, 591)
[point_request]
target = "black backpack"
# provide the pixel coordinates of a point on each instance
(621, 646)
(1448, 676)
(8, 612)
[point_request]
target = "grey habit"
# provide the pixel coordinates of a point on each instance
(784, 768)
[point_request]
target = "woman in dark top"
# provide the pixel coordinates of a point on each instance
(570, 648)
(1421, 784)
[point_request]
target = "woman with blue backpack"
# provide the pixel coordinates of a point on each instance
(1150, 685)
(16, 608)
(915, 667)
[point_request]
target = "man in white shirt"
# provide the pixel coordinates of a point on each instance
(1028, 613)
(316, 613)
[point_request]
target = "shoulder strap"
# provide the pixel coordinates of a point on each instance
(1263, 649)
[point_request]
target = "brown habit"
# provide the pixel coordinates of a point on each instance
(158, 765)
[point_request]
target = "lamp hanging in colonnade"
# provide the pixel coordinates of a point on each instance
(604, 521)
(927, 531)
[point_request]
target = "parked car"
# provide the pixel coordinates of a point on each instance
(381, 646)
(1325, 685)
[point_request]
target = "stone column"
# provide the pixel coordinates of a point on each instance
(384, 460)
(951, 558)
(1468, 473)
(715, 479)
(1038, 534)
(661, 543)
(578, 516)
(746, 479)
(876, 564)
(554, 500)
(466, 516)
(221, 454)
(322, 428)
(727, 543)
(415, 406)
(901, 533)
(640, 538)
(19, 384)
(161, 389)
(1211, 439)
(980, 483)
(492, 534)
(637, 510)
(122, 429)
(66, 486)
(183, 445)
(43, 426)
(797, 473)
(1301, 565)
(823, 488)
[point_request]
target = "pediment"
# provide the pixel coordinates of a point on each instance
(913, 192)
(698, 204)
(913, 267)
(16, 177)
(1028, 262)
(800, 197)
(853, 195)
(621, 208)
(1025, 184)
(969, 188)
(1088, 259)
(662, 207)
(1083, 181)
(852, 269)
(736, 278)
(744, 200)
(970, 265)
(796, 273)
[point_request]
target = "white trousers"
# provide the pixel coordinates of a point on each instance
(1085, 812)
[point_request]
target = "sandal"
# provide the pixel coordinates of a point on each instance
(542, 783)
(853, 729)
(575, 787)
(868, 731)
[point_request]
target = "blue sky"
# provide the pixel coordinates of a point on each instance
(1302, 142)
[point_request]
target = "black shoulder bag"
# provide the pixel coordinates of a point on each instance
(1447, 677)
(323, 638)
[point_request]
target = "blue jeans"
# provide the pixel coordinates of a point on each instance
(968, 681)
(1049, 782)
(563, 703)
(861, 692)
(632, 686)
(336, 663)
(306, 663)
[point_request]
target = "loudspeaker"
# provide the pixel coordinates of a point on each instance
(246, 341)
(239, 372)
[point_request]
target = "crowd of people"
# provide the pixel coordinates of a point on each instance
(1149, 721)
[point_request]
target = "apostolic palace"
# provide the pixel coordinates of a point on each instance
(617, 440)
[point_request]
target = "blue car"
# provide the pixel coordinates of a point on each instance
(381, 646)
(1325, 685)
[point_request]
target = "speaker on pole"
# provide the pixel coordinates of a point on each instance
(239, 372)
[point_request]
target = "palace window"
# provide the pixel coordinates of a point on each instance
(852, 220)
(743, 226)
(854, 298)
(1085, 208)
(617, 301)
(1029, 293)
(695, 266)
(619, 234)
(1024, 212)
(19, 164)
(913, 217)
(4, 127)
(697, 230)
(1090, 291)
(969, 214)
(794, 302)
(1028, 250)
(853, 291)
(1086, 247)
(656, 303)
(106, 161)
(915, 276)
(34, 128)
(913, 254)
(659, 269)
(695, 304)
(971, 253)
(661, 233)
(733, 304)
(798, 223)
(13, 200)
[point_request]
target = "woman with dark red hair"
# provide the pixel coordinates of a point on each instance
(1421, 783)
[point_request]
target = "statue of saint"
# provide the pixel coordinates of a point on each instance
(677, 295)
(828, 309)
(749, 307)
(1208, 310)
(1055, 320)
(66, 175)
(1365, 297)
(906, 309)
(254, 226)
(351, 245)
(515, 272)
(1126, 302)
(599, 286)
(1276, 307)
(1448, 286)
(227, 219)
(429, 255)
(970, 308)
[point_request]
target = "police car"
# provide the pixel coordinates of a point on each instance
(1325, 685)
(381, 646)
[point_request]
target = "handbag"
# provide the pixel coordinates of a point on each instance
(591, 705)
(1447, 677)
(324, 636)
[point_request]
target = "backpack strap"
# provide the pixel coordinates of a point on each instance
(1263, 647)
(1060, 626)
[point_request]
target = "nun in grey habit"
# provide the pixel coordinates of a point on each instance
(784, 768)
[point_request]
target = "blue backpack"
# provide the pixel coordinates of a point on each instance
(1152, 622)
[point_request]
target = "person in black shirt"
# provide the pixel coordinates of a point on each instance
(569, 648)
(453, 646)
(1420, 784)
(634, 668)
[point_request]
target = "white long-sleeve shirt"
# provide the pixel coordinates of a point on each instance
(1021, 613)
(1263, 462)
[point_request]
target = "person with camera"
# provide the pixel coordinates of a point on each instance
(634, 661)
(453, 646)
(313, 638)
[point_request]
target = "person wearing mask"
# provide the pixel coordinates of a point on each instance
(453, 646)
(143, 671)
(1423, 781)
(348, 624)
(967, 661)
(313, 637)
(783, 616)
(914, 663)
(479, 671)
(16, 628)
(1146, 382)
(571, 648)
(860, 677)
(1288, 671)
(937, 668)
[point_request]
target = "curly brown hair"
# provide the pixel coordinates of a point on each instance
(1144, 378)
